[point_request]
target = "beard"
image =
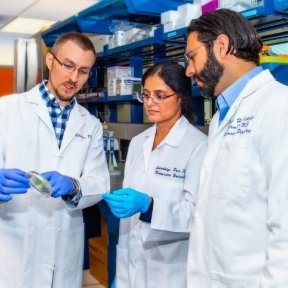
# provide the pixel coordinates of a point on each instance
(210, 75)
(62, 95)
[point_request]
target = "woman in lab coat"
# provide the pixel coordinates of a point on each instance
(160, 185)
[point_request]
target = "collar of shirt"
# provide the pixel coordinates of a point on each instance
(225, 100)
(59, 116)
(50, 100)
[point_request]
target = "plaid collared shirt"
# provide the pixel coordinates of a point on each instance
(59, 116)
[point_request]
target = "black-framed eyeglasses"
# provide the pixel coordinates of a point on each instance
(70, 68)
(188, 56)
(156, 98)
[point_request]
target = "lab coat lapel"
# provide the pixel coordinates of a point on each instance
(74, 124)
(217, 129)
(147, 145)
(39, 107)
(173, 138)
(254, 84)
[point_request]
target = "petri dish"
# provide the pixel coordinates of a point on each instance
(40, 183)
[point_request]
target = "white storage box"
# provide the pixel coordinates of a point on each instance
(99, 41)
(169, 16)
(126, 86)
(119, 72)
(190, 11)
(111, 87)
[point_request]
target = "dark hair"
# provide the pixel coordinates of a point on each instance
(173, 74)
(79, 39)
(244, 41)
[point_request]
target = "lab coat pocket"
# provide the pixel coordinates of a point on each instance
(166, 189)
(16, 248)
(225, 281)
(162, 275)
(233, 161)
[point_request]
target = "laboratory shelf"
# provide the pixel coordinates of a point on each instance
(50, 35)
(108, 99)
(122, 98)
(281, 6)
(175, 34)
(92, 100)
(143, 11)
(264, 9)
(105, 17)
(109, 16)
(132, 48)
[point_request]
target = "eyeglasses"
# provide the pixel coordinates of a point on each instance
(70, 68)
(156, 98)
(189, 55)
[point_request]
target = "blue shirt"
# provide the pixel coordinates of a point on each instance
(225, 100)
(59, 116)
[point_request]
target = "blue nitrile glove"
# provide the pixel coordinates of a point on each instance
(61, 184)
(127, 201)
(12, 181)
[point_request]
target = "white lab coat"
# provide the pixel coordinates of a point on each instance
(41, 239)
(155, 255)
(240, 229)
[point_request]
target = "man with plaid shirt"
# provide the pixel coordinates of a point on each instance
(47, 131)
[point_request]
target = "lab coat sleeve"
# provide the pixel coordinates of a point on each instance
(3, 130)
(274, 152)
(94, 180)
(172, 220)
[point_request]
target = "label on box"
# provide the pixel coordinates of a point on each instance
(126, 86)
(119, 72)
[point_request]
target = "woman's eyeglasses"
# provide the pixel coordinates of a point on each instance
(156, 98)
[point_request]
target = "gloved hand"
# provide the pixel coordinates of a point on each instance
(127, 202)
(61, 184)
(12, 181)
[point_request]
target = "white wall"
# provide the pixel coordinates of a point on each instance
(7, 51)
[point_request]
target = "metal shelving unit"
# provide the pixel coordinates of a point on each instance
(269, 17)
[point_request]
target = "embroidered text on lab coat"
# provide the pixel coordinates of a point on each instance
(170, 172)
(242, 126)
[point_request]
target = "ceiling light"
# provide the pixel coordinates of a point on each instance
(27, 25)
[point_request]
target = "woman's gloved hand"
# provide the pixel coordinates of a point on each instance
(12, 181)
(127, 202)
(61, 184)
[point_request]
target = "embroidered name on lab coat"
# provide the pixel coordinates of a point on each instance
(83, 137)
(170, 172)
(242, 126)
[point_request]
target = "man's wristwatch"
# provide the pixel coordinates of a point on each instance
(75, 191)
